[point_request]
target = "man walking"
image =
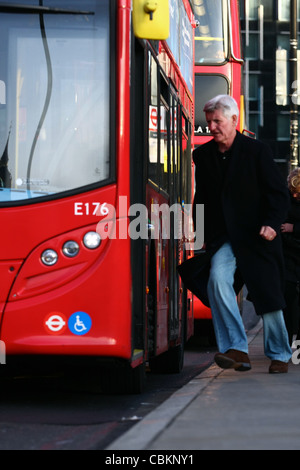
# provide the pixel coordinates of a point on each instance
(245, 202)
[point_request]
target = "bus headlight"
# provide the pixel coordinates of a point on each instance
(70, 249)
(92, 240)
(49, 257)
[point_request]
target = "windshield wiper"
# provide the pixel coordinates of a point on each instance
(15, 8)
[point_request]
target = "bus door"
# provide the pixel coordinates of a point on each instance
(184, 182)
(164, 203)
(157, 204)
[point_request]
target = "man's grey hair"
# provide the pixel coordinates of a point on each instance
(225, 103)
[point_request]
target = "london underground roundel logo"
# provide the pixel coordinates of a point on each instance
(55, 323)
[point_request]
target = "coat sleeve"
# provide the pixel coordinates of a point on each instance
(275, 196)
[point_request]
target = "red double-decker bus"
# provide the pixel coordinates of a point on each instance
(96, 131)
(218, 70)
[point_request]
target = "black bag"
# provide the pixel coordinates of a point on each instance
(194, 273)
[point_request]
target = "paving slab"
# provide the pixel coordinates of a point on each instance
(226, 410)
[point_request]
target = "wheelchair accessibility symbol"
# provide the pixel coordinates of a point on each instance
(80, 323)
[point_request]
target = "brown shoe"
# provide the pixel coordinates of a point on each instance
(233, 359)
(278, 367)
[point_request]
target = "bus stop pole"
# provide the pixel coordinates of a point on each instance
(294, 127)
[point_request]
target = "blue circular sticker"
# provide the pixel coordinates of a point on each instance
(80, 323)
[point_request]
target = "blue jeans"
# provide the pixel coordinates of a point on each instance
(229, 328)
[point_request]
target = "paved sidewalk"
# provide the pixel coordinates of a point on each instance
(226, 410)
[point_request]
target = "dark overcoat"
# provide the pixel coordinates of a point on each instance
(253, 194)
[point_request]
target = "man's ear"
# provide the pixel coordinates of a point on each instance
(235, 119)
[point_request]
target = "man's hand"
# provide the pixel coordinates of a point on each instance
(268, 233)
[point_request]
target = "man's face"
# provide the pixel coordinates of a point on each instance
(222, 129)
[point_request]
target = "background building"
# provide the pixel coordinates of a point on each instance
(266, 44)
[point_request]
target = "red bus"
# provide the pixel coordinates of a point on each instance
(218, 70)
(95, 126)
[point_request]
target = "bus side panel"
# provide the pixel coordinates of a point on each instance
(201, 311)
(236, 29)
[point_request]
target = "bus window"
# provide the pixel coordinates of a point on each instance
(164, 134)
(175, 156)
(211, 44)
(186, 174)
(57, 74)
(206, 87)
(153, 121)
(164, 161)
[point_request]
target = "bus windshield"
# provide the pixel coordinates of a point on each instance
(54, 96)
(211, 34)
(206, 87)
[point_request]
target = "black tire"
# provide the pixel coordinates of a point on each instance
(124, 379)
(170, 362)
